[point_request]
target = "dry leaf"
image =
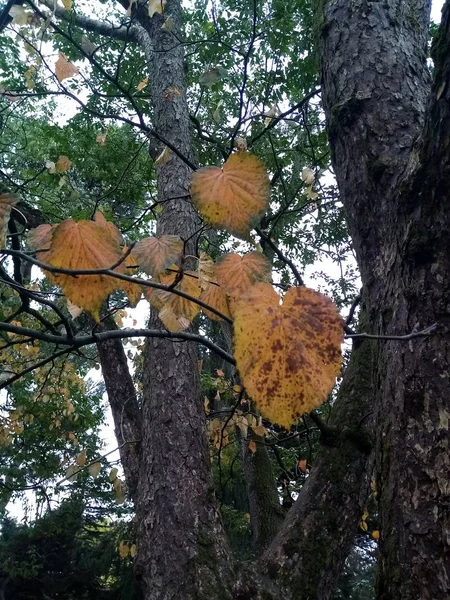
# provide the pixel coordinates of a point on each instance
(62, 164)
(376, 534)
(288, 355)
(215, 296)
(252, 446)
(234, 197)
(7, 201)
(164, 157)
(83, 245)
(142, 84)
(81, 459)
(124, 549)
(101, 138)
(302, 465)
(205, 271)
(94, 469)
(155, 254)
(64, 69)
(133, 550)
(155, 6)
(308, 176)
(236, 273)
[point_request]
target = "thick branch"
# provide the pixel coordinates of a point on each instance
(124, 404)
(118, 32)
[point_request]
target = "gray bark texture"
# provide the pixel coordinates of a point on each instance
(182, 552)
(388, 130)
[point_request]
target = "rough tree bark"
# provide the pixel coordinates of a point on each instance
(394, 186)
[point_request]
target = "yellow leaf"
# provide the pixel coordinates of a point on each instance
(363, 525)
(124, 549)
(238, 273)
(215, 296)
(83, 245)
(94, 469)
(101, 138)
(288, 355)
(376, 534)
(164, 157)
(74, 310)
(81, 459)
(62, 164)
(155, 6)
(308, 176)
(113, 474)
(7, 201)
(171, 321)
(233, 197)
(72, 472)
(67, 4)
(133, 550)
(206, 269)
(252, 446)
(179, 306)
(142, 84)
(119, 491)
(64, 69)
(155, 254)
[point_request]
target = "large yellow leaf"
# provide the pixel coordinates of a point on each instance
(237, 273)
(288, 354)
(83, 245)
(233, 197)
(155, 254)
(7, 201)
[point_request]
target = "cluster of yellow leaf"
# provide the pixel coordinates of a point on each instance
(287, 349)
(118, 486)
(219, 432)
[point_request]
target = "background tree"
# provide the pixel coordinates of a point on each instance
(144, 87)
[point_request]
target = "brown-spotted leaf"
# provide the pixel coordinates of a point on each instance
(237, 273)
(233, 197)
(7, 201)
(215, 296)
(64, 69)
(83, 245)
(155, 254)
(288, 354)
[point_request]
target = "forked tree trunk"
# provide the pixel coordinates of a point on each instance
(376, 87)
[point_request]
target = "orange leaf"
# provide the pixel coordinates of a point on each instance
(7, 201)
(63, 68)
(175, 306)
(252, 446)
(83, 245)
(238, 273)
(62, 164)
(155, 254)
(302, 465)
(288, 355)
(112, 230)
(376, 534)
(232, 197)
(215, 297)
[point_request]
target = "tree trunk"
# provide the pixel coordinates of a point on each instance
(375, 84)
(182, 552)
